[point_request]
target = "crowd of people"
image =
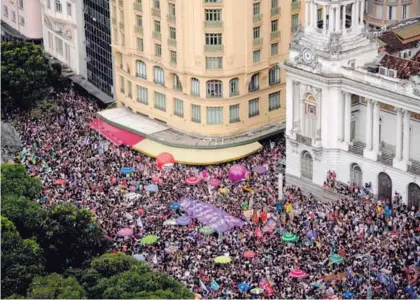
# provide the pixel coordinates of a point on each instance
(378, 240)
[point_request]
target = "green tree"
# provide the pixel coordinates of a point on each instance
(70, 236)
(15, 181)
(26, 75)
(21, 260)
(54, 286)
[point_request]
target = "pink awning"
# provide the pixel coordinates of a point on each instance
(116, 135)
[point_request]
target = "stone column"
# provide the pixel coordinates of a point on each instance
(302, 117)
(324, 17)
(337, 18)
(331, 20)
(369, 125)
(357, 13)
(315, 15)
(376, 109)
(311, 20)
(343, 25)
(362, 12)
(347, 118)
(290, 98)
(318, 118)
(398, 142)
(307, 13)
(353, 15)
(406, 146)
(340, 136)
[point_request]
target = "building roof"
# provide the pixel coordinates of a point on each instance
(400, 38)
(408, 32)
(405, 68)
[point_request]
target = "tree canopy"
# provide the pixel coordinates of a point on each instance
(55, 286)
(15, 181)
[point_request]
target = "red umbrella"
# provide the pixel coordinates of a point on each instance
(140, 211)
(60, 181)
(155, 179)
(192, 180)
(297, 273)
(249, 254)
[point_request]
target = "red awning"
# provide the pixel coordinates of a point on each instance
(116, 135)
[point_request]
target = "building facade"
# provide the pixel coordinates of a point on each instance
(64, 33)
(98, 44)
(21, 20)
(205, 67)
(379, 13)
(351, 109)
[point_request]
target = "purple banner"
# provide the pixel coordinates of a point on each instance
(210, 215)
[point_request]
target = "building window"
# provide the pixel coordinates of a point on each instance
(69, 9)
(195, 87)
(274, 49)
(13, 16)
(274, 25)
(254, 85)
(21, 21)
(211, 1)
(234, 87)
(405, 11)
(156, 4)
(172, 33)
(256, 32)
(158, 50)
(122, 83)
(256, 56)
(234, 113)
(213, 14)
(214, 62)
(306, 169)
(50, 41)
(129, 91)
(274, 4)
(214, 115)
(319, 14)
(173, 56)
(178, 107)
(140, 45)
(5, 11)
(214, 89)
(20, 4)
(171, 9)
(196, 113)
(274, 75)
(58, 7)
(141, 69)
(356, 175)
(213, 38)
(295, 22)
(160, 101)
(256, 8)
(142, 95)
(139, 21)
(58, 45)
(390, 8)
(273, 101)
(159, 75)
(177, 83)
(157, 26)
(254, 107)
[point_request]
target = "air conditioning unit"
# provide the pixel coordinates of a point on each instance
(383, 71)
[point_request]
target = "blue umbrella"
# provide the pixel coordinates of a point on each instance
(348, 294)
(152, 188)
(126, 170)
(243, 287)
(175, 206)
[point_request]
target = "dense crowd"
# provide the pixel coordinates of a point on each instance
(378, 240)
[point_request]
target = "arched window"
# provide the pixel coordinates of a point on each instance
(356, 175)
(214, 89)
(141, 69)
(177, 83)
(195, 87)
(159, 75)
(274, 75)
(413, 195)
(306, 165)
(254, 84)
(234, 87)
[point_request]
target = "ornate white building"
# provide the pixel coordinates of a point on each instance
(348, 110)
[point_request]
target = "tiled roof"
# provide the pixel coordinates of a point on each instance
(408, 32)
(405, 68)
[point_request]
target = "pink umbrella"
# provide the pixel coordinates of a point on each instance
(204, 174)
(258, 233)
(249, 254)
(155, 179)
(125, 232)
(132, 188)
(214, 182)
(192, 180)
(297, 273)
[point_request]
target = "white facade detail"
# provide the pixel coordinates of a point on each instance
(342, 116)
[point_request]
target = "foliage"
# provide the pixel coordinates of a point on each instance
(69, 236)
(43, 107)
(26, 75)
(15, 181)
(54, 286)
(21, 260)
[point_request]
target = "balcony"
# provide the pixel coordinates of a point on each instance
(378, 21)
(172, 42)
(404, 2)
(156, 35)
(414, 167)
(171, 19)
(213, 24)
(121, 25)
(155, 12)
(275, 35)
(257, 18)
(296, 5)
(303, 139)
(379, 1)
(275, 11)
(138, 29)
(206, 2)
(357, 148)
(137, 6)
(257, 42)
(213, 48)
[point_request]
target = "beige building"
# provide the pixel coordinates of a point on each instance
(379, 13)
(204, 67)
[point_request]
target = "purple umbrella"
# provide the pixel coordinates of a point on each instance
(260, 170)
(125, 232)
(237, 173)
(183, 220)
(214, 182)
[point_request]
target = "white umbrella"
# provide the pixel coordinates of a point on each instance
(139, 257)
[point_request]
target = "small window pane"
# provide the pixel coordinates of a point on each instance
(234, 113)
(254, 107)
(274, 101)
(196, 113)
(214, 115)
(160, 101)
(178, 107)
